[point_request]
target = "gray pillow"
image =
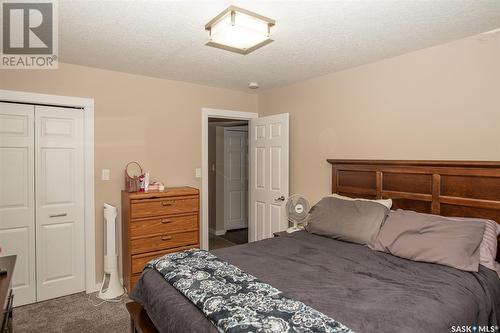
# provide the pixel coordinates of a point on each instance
(453, 242)
(353, 221)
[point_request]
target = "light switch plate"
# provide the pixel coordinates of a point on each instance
(197, 172)
(105, 174)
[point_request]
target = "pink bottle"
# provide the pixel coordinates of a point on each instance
(141, 183)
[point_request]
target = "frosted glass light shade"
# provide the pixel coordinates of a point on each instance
(239, 30)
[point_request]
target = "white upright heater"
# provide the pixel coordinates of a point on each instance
(111, 286)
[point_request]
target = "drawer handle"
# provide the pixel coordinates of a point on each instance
(165, 238)
(166, 221)
(59, 215)
(166, 203)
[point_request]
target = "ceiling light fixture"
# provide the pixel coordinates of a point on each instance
(239, 30)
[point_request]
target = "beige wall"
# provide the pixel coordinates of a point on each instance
(216, 176)
(212, 224)
(219, 178)
(437, 103)
(156, 122)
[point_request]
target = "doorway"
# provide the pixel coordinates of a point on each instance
(227, 182)
(267, 169)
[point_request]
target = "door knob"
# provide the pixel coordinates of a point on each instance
(282, 198)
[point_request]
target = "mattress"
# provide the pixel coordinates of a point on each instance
(365, 290)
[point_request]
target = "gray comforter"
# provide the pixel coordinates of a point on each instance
(366, 290)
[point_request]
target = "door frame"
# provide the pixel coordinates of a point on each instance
(205, 114)
(87, 105)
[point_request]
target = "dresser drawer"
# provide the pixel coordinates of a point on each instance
(165, 206)
(164, 241)
(140, 260)
(163, 225)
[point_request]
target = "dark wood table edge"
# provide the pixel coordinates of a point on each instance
(139, 319)
(6, 295)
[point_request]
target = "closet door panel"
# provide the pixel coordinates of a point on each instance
(60, 211)
(58, 180)
(57, 253)
(16, 241)
(17, 209)
(14, 184)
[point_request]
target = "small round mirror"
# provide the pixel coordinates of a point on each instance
(133, 169)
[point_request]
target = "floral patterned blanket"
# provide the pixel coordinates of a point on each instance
(235, 301)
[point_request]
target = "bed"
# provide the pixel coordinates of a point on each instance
(364, 289)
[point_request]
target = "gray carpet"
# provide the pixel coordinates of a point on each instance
(230, 238)
(237, 236)
(217, 242)
(73, 313)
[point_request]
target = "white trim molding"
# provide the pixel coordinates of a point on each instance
(205, 114)
(87, 104)
(217, 232)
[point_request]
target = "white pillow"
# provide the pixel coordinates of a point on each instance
(385, 202)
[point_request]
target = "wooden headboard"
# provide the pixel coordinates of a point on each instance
(448, 188)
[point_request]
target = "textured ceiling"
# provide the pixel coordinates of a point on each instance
(166, 38)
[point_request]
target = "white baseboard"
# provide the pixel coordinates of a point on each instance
(221, 232)
(97, 288)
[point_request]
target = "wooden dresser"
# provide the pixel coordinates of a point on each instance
(154, 224)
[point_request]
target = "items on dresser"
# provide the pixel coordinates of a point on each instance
(156, 187)
(6, 296)
(132, 172)
(154, 224)
(138, 181)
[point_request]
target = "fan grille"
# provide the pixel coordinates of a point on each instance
(297, 208)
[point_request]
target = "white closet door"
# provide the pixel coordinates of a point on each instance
(17, 212)
(59, 169)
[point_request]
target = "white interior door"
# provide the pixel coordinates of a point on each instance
(268, 175)
(17, 209)
(60, 262)
(235, 178)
